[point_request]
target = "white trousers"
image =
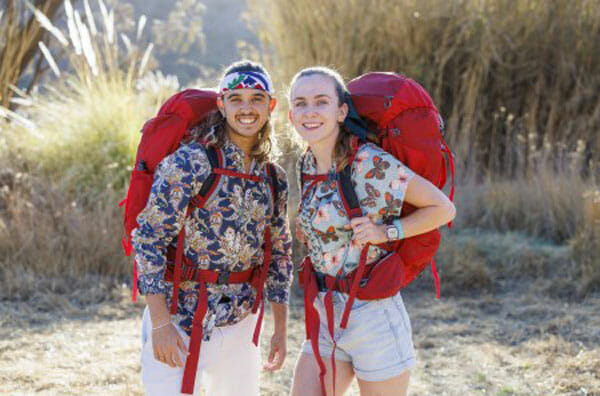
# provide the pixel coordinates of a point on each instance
(229, 363)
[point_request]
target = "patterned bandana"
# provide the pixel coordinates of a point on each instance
(246, 79)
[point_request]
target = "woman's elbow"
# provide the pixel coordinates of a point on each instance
(449, 212)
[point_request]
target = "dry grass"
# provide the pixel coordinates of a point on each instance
(513, 79)
(53, 242)
(508, 344)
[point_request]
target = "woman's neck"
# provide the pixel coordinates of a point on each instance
(324, 152)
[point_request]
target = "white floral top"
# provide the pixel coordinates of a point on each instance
(380, 182)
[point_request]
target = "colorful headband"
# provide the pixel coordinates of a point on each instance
(246, 79)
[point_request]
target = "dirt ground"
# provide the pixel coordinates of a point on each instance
(503, 344)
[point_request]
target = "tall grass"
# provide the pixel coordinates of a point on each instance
(65, 159)
(510, 77)
(82, 129)
(518, 83)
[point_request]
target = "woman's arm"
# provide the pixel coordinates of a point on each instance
(434, 209)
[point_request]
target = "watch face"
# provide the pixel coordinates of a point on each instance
(391, 233)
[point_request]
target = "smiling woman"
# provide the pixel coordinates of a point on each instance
(373, 339)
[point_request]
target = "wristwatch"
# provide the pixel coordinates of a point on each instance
(391, 233)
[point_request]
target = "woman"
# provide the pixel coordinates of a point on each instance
(376, 344)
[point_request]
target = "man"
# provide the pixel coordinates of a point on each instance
(227, 244)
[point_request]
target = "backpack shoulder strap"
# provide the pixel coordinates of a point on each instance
(272, 173)
(346, 189)
(215, 159)
(347, 193)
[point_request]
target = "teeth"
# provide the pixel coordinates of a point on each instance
(311, 125)
(247, 120)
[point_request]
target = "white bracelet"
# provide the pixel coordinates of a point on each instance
(162, 325)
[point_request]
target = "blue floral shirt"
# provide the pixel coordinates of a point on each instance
(225, 235)
(380, 182)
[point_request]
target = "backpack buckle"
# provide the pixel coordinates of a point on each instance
(388, 102)
(223, 278)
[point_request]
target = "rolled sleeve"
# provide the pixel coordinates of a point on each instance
(279, 277)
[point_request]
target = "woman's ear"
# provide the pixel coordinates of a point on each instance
(342, 112)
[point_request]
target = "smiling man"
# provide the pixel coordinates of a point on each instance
(236, 249)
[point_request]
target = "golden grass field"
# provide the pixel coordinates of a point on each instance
(503, 343)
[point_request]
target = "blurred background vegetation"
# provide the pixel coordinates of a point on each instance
(516, 81)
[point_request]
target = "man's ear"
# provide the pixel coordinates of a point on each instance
(272, 104)
(221, 105)
(290, 116)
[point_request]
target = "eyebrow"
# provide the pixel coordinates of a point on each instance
(316, 97)
(237, 95)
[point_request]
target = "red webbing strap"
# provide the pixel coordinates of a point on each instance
(311, 317)
(227, 172)
(436, 279)
(134, 291)
(354, 289)
(261, 286)
(331, 327)
(177, 270)
(451, 160)
(191, 363)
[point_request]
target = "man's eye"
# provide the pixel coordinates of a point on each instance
(321, 102)
(300, 104)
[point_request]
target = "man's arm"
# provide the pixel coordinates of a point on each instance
(278, 347)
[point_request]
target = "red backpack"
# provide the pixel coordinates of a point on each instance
(161, 136)
(408, 126)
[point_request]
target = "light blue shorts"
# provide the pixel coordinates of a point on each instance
(377, 340)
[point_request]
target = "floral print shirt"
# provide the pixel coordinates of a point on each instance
(225, 235)
(380, 182)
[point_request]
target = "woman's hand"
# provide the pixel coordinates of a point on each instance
(168, 346)
(365, 231)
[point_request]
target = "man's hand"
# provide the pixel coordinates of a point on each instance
(277, 351)
(168, 346)
(278, 348)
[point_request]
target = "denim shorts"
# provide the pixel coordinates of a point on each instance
(377, 340)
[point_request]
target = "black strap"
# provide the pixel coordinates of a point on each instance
(272, 173)
(346, 188)
(213, 158)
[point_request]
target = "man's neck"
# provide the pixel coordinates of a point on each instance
(244, 143)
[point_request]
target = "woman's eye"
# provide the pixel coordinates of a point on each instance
(300, 104)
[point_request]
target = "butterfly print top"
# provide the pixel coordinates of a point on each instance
(380, 182)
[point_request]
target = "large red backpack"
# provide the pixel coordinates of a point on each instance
(407, 125)
(161, 136)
